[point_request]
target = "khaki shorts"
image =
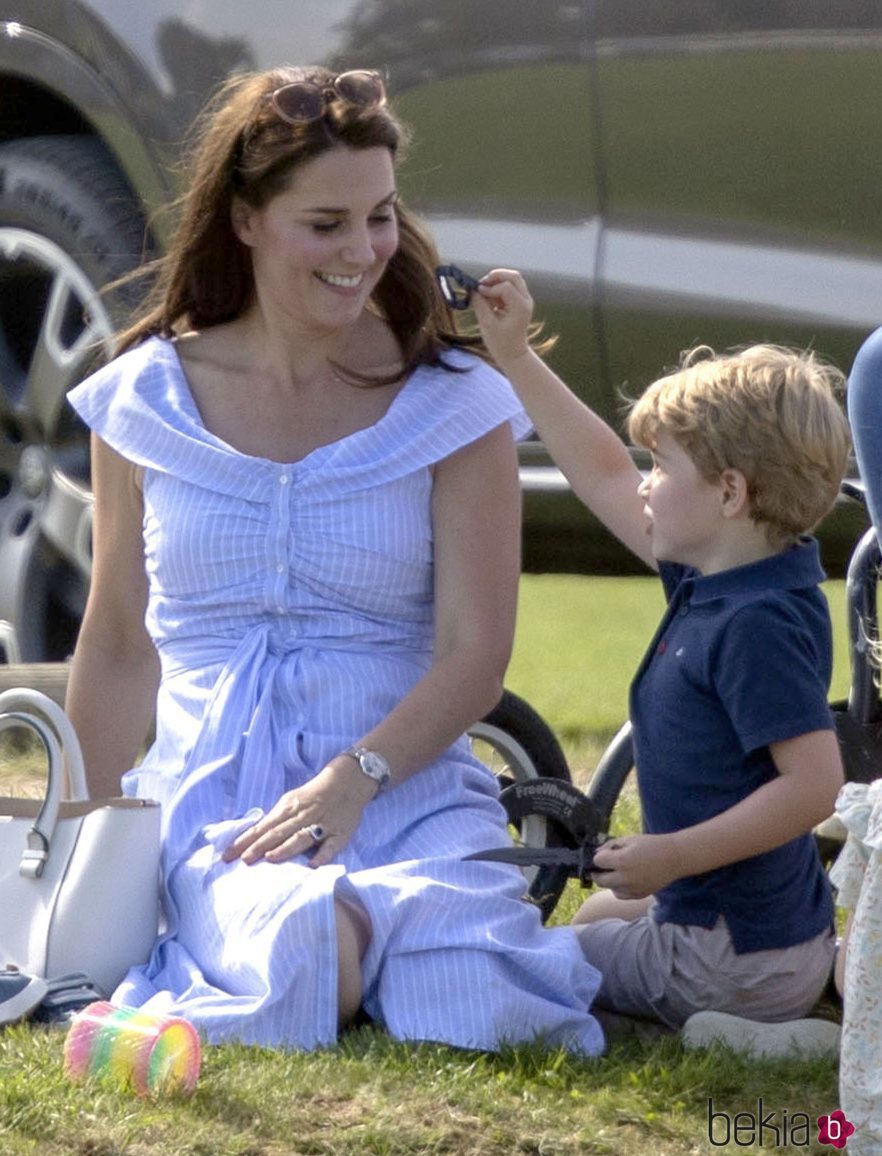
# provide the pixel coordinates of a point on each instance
(667, 971)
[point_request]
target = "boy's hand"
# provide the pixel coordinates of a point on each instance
(635, 866)
(504, 308)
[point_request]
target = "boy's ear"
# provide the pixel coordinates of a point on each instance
(735, 493)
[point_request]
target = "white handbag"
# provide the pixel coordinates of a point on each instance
(79, 877)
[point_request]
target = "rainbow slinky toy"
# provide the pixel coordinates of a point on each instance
(151, 1054)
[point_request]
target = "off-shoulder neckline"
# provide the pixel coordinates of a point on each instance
(186, 393)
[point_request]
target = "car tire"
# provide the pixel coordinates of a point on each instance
(69, 225)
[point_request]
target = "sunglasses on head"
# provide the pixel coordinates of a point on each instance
(456, 286)
(303, 101)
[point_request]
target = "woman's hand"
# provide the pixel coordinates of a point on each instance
(635, 866)
(333, 801)
(504, 308)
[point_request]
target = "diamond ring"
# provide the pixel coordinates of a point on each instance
(316, 832)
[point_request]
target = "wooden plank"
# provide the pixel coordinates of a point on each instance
(49, 677)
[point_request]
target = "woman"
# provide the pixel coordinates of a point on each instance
(308, 490)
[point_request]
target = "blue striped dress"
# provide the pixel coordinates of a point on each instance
(291, 606)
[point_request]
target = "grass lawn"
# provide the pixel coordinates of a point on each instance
(578, 641)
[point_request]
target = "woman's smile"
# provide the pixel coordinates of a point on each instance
(340, 281)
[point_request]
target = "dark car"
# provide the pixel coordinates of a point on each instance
(664, 173)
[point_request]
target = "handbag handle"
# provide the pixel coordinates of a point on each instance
(22, 706)
(33, 702)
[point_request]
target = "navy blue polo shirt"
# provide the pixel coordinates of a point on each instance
(741, 659)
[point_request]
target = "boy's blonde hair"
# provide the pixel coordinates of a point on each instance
(771, 412)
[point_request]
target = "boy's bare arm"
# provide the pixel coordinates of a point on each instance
(802, 795)
(593, 458)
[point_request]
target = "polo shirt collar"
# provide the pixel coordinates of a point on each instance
(794, 569)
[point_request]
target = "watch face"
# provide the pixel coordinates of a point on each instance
(374, 765)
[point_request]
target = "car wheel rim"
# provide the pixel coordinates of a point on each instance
(53, 330)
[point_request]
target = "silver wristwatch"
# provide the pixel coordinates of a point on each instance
(372, 764)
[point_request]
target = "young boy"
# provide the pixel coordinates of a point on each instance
(722, 903)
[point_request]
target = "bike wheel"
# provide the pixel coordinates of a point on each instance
(520, 747)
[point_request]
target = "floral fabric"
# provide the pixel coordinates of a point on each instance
(858, 875)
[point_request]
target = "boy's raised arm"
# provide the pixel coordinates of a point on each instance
(592, 457)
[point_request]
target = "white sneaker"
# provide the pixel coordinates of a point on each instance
(808, 1037)
(20, 993)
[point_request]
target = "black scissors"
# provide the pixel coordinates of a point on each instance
(573, 815)
(577, 862)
